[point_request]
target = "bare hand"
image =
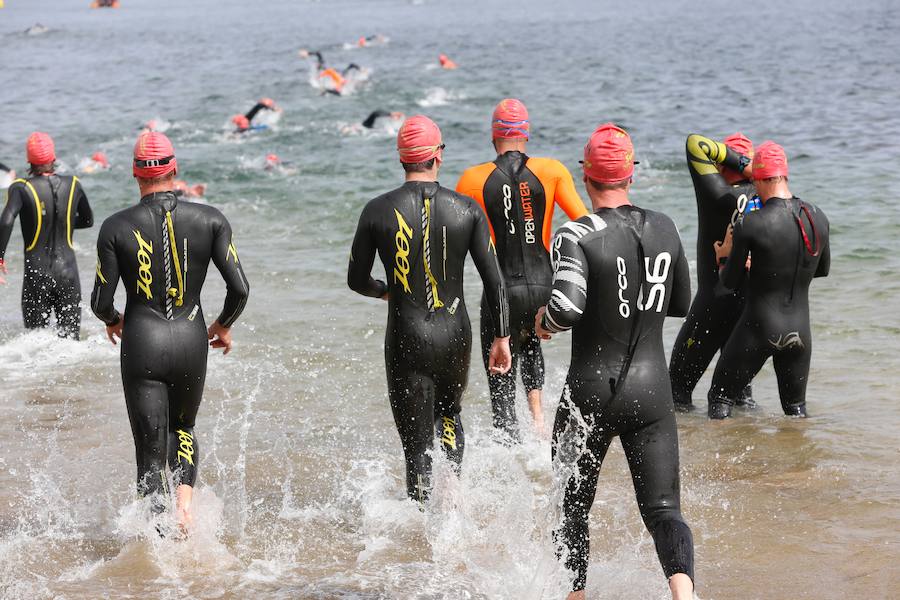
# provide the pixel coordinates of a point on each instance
(220, 337)
(4, 271)
(539, 324)
(500, 360)
(723, 248)
(115, 331)
(748, 171)
(386, 296)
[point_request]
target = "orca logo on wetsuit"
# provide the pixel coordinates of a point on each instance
(657, 279)
(507, 206)
(448, 436)
(401, 258)
(740, 207)
(186, 446)
(145, 277)
(527, 211)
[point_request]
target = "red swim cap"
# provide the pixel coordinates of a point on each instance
(100, 157)
(510, 120)
(154, 155)
(419, 140)
(739, 143)
(609, 155)
(241, 122)
(770, 161)
(272, 159)
(40, 149)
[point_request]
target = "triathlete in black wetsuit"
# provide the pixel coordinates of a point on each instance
(244, 123)
(422, 232)
(787, 241)
(518, 194)
(723, 193)
(49, 207)
(617, 274)
(369, 123)
(161, 249)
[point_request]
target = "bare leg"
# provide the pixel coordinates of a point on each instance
(681, 586)
(537, 412)
(579, 595)
(183, 496)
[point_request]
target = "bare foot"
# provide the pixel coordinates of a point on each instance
(183, 496)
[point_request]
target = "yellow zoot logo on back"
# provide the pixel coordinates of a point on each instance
(145, 277)
(401, 258)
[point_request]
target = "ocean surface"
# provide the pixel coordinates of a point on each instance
(301, 481)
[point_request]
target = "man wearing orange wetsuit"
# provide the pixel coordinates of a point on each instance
(518, 193)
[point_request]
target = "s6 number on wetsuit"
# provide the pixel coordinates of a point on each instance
(401, 258)
(655, 277)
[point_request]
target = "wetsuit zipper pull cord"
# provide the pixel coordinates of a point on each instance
(178, 294)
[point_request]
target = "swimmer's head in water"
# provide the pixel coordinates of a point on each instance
(241, 122)
(154, 156)
(609, 155)
(40, 149)
(272, 160)
(770, 161)
(510, 120)
(100, 159)
(419, 140)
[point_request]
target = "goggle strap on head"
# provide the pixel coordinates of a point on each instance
(153, 162)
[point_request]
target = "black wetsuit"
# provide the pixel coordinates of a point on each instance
(253, 111)
(369, 123)
(518, 194)
(428, 339)
(50, 208)
(606, 265)
(788, 244)
(164, 340)
(715, 309)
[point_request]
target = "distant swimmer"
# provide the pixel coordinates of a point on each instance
(155, 125)
(617, 273)
(96, 163)
(371, 40)
(720, 172)
(518, 194)
(182, 189)
(37, 29)
(50, 207)
(369, 123)
(244, 123)
(423, 232)
(445, 62)
(788, 243)
(161, 248)
(105, 4)
(7, 176)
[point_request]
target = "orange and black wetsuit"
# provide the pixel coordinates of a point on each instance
(518, 194)
(161, 249)
(423, 232)
(50, 208)
(715, 309)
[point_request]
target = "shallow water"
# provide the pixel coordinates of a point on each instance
(300, 491)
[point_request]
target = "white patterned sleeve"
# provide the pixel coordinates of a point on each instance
(570, 272)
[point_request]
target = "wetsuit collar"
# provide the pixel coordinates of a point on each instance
(426, 188)
(511, 162)
(167, 200)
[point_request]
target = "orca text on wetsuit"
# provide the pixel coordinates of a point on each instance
(715, 309)
(518, 194)
(422, 232)
(617, 274)
(789, 243)
(161, 249)
(50, 207)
